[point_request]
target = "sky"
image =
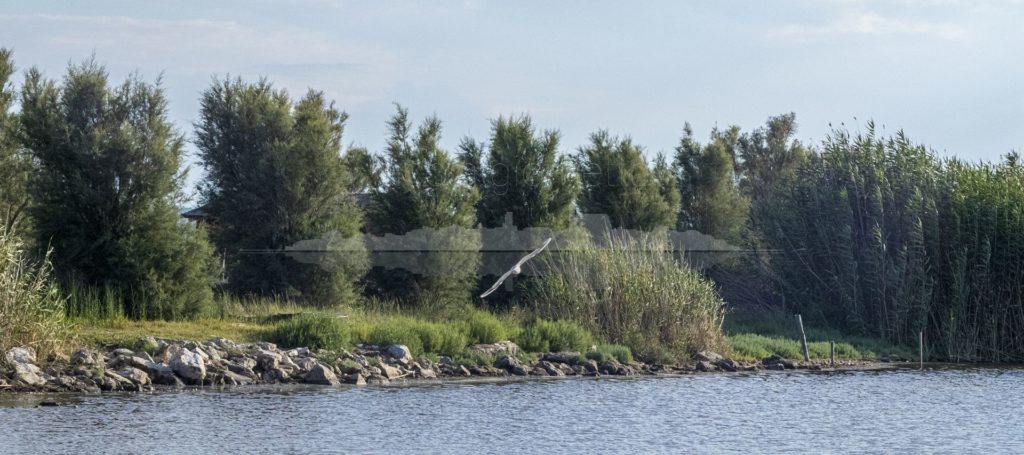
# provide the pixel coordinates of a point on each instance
(949, 73)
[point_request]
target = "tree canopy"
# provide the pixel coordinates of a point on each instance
(276, 177)
(105, 190)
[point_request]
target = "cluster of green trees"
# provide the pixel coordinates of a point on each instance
(867, 233)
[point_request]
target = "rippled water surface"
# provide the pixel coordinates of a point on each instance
(949, 411)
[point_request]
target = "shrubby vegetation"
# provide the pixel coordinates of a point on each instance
(631, 291)
(31, 306)
(868, 236)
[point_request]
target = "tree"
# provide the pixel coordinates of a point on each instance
(616, 181)
(523, 175)
(363, 170)
(276, 177)
(108, 177)
(15, 166)
(424, 188)
(712, 204)
(768, 154)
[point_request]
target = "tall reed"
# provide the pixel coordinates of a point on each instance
(632, 291)
(31, 305)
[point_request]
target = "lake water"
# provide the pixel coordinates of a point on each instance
(946, 411)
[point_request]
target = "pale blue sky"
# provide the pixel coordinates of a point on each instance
(950, 73)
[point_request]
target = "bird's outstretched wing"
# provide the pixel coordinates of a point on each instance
(497, 284)
(519, 264)
(533, 253)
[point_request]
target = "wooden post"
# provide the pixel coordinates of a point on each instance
(832, 353)
(920, 345)
(803, 338)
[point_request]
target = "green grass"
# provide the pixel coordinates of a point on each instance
(607, 352)
(312, 330)
(756, 334)
(553, 336)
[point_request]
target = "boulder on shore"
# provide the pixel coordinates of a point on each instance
(20, 355)
(320, 374)
(400, 353)
(189, 365)
(495, 349)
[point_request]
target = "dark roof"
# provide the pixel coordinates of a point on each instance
(198, 213)
(201, 212)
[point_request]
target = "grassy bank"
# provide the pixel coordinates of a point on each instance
(755, 334)
(750, 336)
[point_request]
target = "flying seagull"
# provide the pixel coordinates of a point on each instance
(516, 269)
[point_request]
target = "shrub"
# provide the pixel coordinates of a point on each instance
(418, 335)
(31, 307)
(484, 327)
(312, 330)
(553, 336)
(631, 291)
(399, 330)
(607, 352)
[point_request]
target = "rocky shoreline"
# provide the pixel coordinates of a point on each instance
(219, 362)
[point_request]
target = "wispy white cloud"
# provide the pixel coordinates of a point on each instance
(201, 47)
(870, 24)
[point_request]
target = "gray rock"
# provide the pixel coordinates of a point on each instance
(463, 371)
(29, 374)
(86, 357)
(727, 364)
(123, 352)
(242, 369)
(610, 367)
(400, 353)
(306, 364)
(389, 372)
(267, 346)
(158, 372)
(507, 362)
(704, 365)
(20, 355)
(519, 370)
(138, 377)
(590, 366)
(268, 360)
(118, 382)
(550, 368)
(189, 365)
(355, 379)
(322, 375)
(423, 372)
(501, 347)
(247, 362)
(299, 352)
(566, 357)
(237, 379)
(222, 343)
(708, 356)
(275, 375)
